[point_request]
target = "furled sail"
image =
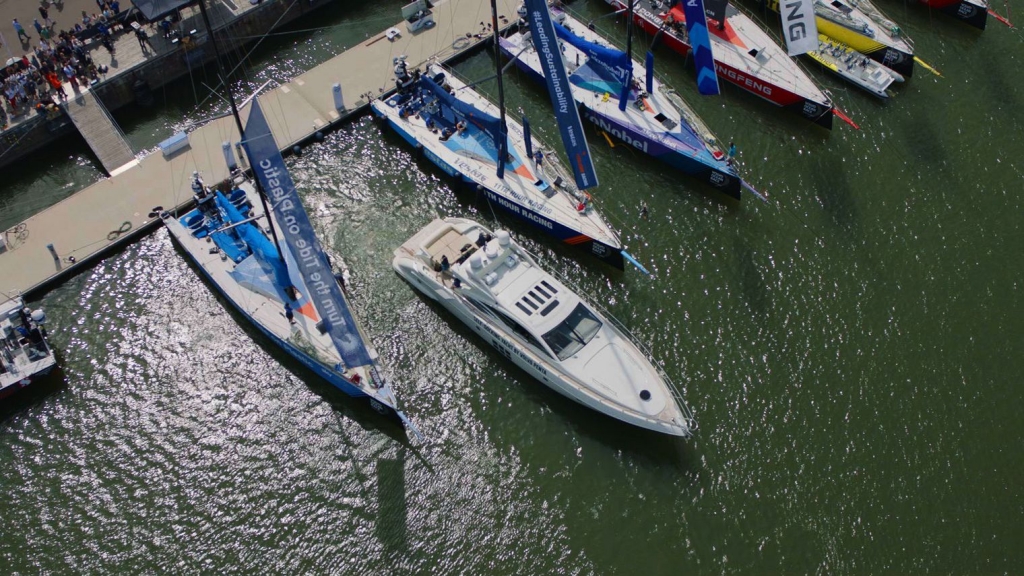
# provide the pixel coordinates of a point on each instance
(566, 113)
(697, 30)
(297, 232)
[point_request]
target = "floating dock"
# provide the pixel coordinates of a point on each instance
(65, 238)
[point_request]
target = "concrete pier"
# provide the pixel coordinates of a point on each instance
(112, 212)
(136, 69)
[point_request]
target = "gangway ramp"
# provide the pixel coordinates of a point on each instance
(101, 133)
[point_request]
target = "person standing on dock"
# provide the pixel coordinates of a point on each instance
(140, 33)
(45, 15)
(21, 31)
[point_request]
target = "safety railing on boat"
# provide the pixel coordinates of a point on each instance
(763, 72)
(677, 394)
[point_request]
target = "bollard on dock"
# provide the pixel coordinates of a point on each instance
(339, 102)
(53, 252)
(229, 156)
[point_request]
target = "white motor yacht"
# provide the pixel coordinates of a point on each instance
(25, 355)
(497, 289)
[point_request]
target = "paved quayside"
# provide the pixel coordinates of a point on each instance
(117, 209)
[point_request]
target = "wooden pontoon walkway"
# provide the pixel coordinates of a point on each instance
(113, 211)
(100, 131)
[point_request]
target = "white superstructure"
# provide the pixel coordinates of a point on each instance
(546, 329)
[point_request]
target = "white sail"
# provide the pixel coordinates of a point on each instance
(799, 26)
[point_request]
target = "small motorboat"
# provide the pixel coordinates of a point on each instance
(25, 354)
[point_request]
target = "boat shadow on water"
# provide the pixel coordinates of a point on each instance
(355, 409)
(833, 192)
(392, 525)
(35, 395)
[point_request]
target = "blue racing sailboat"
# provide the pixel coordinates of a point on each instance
(469, 138)
(279, 277)
(286, 289)
(650, 117)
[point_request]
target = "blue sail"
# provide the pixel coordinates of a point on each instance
(566, 113)
(468, 112)
(297, 232)
(608, 63)
(697, 30)
(264, 250)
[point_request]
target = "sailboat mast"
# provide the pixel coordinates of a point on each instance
(238, 121)
(629, 30)
(503, 144)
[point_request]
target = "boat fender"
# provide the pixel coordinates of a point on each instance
(297, 150)
(504, 238)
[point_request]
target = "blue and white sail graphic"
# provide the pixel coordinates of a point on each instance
(297, 232)
(697, 30)
(566, 113)
(609, 63)
(468, 112)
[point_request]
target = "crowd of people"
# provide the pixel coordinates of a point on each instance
(60, 64)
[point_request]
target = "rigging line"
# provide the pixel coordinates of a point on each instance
(347, 24)
(262, 38)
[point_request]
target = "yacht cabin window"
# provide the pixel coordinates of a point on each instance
(575, 332)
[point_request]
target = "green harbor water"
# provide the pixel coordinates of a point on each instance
(851, 349)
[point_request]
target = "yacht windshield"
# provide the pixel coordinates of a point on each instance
(573, 333)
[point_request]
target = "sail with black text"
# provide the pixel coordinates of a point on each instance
(566, 113)
(799, 26)
(297, 232)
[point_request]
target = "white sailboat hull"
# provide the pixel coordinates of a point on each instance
(553, 206)
(300, 340)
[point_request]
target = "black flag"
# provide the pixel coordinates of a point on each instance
(715, 9)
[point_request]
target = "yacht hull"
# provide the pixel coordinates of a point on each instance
(655, 145)
(603, 251)
(888, 56)
(792, 89)
(970, 12)
(420, 278)
(539, 193)
(40, 374)
(853, 67)
(194, 248)
(25, 353)
(893, 52)
(664, 150)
